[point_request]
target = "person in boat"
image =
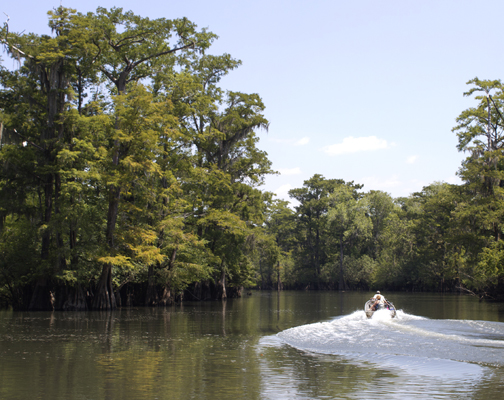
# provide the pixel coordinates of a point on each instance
(379, 301)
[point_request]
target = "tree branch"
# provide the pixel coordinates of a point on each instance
(27, 141)
(192, 44)
(118, 45)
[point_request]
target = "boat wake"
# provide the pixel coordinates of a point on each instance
(395, 358)
(477, 342)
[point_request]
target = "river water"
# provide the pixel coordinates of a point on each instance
(288, 345)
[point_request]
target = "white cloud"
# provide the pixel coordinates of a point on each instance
(454, 180)
(302, 142)
(412, 159)
(354, 145)
(283, 191)
(289, 171)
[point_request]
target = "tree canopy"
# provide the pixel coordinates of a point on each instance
(139, 175)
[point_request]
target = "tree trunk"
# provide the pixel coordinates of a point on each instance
(221, 285)
(279, 279)
(341, 283)
(61, 260)
(113, 211)
(46, 235)
(262, 276)
(104, 298)
(317, 258)
(151, 296)
(42, 298)
(71, 299)
(53, 84)
(166, 298)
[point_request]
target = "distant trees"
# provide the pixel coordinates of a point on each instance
(446, 237)
(369, 240)
(350, 222)
(311, 252)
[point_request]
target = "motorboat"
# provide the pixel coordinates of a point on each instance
(368, 308)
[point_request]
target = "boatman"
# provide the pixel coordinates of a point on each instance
(378, 296)
(379, 301)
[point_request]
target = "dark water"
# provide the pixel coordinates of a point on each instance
(292, 345)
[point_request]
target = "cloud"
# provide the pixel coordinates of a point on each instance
(302, 142)
(283, 191)
(455, 180)
(289, 171)
(355, 145)
(412, 159)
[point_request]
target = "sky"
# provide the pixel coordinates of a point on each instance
(365, 90)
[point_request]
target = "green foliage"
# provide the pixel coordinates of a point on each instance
(123, 162)
(137, 167)
(348, 216)
(359, 271)
(311, 230)
(18, 247)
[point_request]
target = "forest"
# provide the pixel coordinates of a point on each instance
(129, 177)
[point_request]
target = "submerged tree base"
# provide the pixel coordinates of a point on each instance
(51, 297)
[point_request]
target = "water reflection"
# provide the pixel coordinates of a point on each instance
(363, 377)
(232, 349)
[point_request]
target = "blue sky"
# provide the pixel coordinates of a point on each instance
(366, 91)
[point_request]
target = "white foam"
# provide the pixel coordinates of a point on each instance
(405, 335)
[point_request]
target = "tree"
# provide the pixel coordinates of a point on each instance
(227, 149)
(380, 206)
(136, 51)
(398, 251)
(349, 221)
(125, 124)
(480, 131)
(312, 230)
(36, 99)
(435, 234)
(280, 224)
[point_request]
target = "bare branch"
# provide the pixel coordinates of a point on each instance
(27, 141)
(107, 73)
(192, 44)
(11, 47)
(119, 45)
(496, 108)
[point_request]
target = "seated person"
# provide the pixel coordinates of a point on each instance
(379, 302)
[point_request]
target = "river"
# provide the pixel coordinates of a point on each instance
(287, 345)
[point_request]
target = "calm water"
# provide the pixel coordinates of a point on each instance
(292, 345)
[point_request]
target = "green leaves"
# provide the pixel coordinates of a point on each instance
(136, 163)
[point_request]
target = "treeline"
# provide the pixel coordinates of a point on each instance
(444, 238)
(128, 174)
(129, 177)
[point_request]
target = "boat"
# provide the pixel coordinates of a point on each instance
(388, 306)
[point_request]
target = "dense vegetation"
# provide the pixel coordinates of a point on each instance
(128, 176)
(444, 238)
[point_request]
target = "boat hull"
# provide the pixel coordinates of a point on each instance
(369, 311)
